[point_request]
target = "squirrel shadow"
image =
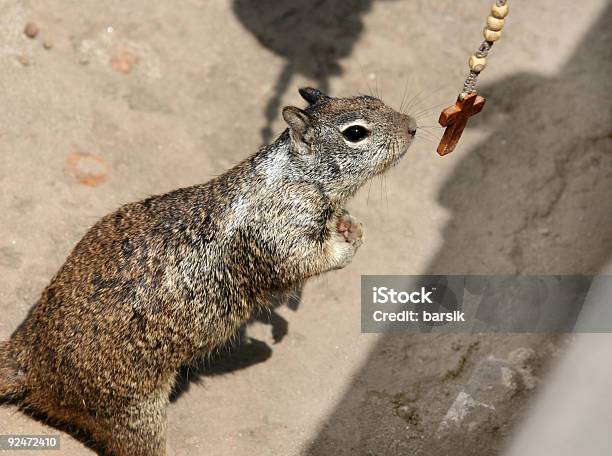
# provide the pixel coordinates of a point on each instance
(311, 36)
(241, 352)
(533, 197)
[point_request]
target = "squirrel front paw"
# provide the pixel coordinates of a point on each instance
(349, 237)
(350, 229)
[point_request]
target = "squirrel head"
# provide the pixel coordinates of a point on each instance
(341, 143)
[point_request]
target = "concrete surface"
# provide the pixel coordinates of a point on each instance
(573, 413)
(134, 98)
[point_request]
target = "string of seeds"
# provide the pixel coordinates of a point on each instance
(491, 33)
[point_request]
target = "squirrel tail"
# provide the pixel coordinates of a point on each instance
(12, 383)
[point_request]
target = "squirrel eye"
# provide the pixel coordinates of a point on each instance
(355, 133)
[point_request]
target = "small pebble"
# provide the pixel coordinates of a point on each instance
(31, 30)
(23, 59)
(123, 61)
(408, 414)
(544, 231)
(48, 44)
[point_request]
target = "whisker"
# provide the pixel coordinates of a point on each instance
(404, 96)
(386, 194)
(430, 141)
(428, 117)
(429, 145)
(428, 134)
(416, 100)
(429, 109)
(430, 131)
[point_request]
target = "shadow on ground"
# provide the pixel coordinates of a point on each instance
(534, 197)
(311, 36)
(242, 351)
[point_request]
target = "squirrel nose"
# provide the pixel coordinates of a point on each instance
(411, 125)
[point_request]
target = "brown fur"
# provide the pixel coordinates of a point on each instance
(160, 282)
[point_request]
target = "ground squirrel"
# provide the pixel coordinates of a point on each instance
(163, 281)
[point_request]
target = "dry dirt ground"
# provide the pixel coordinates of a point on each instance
(116, 100)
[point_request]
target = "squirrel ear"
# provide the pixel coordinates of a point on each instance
(299, 124)
(312, 95)
(297, 120)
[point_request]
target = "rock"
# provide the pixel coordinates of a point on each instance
(123, 61)
(525, 362)
(31, 30)
(408, 413)
(544, 231)
(140, 99)
(24, 60)
(88, 169)
(463, 406)
(523, 357)
(492, 385)
(47, 44)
